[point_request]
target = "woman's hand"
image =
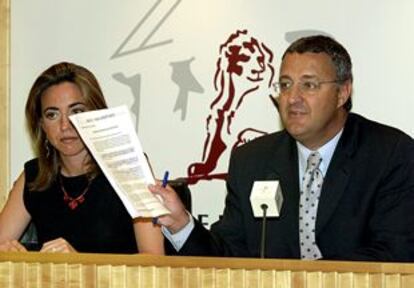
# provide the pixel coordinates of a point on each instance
(12, 246)
(58, 245)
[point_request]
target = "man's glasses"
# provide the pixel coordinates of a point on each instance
(305, 86)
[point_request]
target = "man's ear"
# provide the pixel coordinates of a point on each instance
(344, 93)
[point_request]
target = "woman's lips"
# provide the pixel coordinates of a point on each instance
(68, 139)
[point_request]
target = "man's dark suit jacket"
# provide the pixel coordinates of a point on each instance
(366, 207)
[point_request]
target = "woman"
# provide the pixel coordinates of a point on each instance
(62, 191)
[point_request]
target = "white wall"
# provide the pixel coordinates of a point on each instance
(377, 33)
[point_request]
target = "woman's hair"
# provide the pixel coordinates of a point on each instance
(48, 157)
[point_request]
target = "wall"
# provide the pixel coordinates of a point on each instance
(160, 58)
(4, 98)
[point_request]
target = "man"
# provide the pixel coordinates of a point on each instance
(347, 182)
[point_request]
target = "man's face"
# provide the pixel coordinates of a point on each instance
(312, 116)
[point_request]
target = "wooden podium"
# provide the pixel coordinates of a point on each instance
(33, 269)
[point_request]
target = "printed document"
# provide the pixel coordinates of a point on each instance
(113, 142)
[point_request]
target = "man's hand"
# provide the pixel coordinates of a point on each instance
(179, 217)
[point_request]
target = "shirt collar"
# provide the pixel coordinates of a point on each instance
(326, 152)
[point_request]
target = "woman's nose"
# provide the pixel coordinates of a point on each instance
(65, 122)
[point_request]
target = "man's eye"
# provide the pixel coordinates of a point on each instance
(310, 85)
(285, 85)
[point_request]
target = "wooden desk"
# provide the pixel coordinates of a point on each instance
(100, 270)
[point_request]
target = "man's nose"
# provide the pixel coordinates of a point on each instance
(294, 94)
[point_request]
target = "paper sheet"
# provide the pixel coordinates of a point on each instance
(113, 142)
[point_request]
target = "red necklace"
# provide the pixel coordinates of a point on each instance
(73, 203)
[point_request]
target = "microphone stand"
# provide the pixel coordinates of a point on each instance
(263, 238)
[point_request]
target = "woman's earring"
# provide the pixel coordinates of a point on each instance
(47, 148)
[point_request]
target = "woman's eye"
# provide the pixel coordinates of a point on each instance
(51, 115)
(78, 110)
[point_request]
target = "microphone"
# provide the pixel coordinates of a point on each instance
(266, 199)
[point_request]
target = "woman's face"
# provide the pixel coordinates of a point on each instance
(58, 103)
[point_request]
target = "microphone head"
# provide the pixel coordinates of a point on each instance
(266, 194)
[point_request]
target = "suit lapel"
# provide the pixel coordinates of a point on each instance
(337, 176)
(283, 164)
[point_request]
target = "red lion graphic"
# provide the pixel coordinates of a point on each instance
(244, 64)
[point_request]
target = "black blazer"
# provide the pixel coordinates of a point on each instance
(366, 205)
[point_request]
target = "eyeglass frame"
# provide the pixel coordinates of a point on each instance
(279, 91)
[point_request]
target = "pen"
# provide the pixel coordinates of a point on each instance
(164, 184)
(165, 179)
